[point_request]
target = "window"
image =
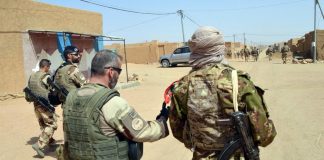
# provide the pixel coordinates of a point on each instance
(177, 51)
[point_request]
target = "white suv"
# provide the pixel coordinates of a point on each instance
(179, 56)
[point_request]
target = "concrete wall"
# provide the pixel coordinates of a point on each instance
(18, 16)
(145, 53)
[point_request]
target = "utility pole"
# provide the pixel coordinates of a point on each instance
(233, 53)
(314, 37)
(244, 39)
(180, 12)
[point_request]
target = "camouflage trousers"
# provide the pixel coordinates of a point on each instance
(47, 123)
(205, 155)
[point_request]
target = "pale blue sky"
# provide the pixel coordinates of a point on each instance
(263, 21)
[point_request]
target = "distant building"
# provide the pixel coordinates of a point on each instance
(30, 31)
(145, 53)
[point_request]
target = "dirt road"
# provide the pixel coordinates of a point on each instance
(294, 94)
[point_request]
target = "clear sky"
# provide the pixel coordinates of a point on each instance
(263, 21)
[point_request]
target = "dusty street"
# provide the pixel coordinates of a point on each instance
(294, 94)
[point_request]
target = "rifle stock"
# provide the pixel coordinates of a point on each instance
(42, 101)
(242, 125)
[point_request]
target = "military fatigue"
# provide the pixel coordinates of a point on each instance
(202, 99)
(255, 54)
(47, 121)
(269, 52)
(69, 76)
(284, 51)
(246, 54)
(96, 117)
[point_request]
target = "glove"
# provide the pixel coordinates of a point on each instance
(164, 113)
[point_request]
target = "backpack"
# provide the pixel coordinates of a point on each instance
(263, 134)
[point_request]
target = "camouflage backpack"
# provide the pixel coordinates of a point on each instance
(182, 131)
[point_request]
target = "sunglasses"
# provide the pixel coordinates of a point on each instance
(118, 70)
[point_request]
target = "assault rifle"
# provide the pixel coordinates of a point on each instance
(42, 101)
(61, 90)
(243, 140)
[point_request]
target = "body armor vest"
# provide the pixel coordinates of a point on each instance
(205, 110)
(62, 77)
(36, 85)
(81, 125)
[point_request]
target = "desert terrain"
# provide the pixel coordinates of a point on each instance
(294, 95)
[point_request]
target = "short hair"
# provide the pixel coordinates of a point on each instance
(103, 59)
(44, 63)
(285, 43)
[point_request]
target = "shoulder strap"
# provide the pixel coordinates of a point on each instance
(235, 89)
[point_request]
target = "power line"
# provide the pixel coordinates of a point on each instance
(192, 20)
(319, 6)
(125, 10)
(271, 35)
(251, 7)
(131, 26)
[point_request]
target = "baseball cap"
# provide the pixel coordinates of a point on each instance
(71, 49)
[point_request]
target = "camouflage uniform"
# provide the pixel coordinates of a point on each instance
(285, 49)
(246, 54)
(203, 98)
(269, 52)
(47, 120)
(106, 123)
(255, 54)
(68, 76)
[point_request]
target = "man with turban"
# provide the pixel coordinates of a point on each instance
(203, 99)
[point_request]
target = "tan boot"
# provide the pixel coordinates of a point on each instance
(39, 151)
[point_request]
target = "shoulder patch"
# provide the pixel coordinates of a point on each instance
(137, 124)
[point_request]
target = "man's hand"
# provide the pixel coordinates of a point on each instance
(164, 113)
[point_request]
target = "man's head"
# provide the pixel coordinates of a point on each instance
(45, 65)
(72, 54)
(106, 65)
(285, 43)
(207, 46)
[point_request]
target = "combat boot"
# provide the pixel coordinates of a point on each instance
(39, 151)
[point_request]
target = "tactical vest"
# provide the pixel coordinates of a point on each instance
(62, 77)
(285, 48)
(205, 111)
(81, 125)
(36, 85)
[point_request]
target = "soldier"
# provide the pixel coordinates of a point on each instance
(68, 75)
(98, 123)
(284, 51)
(47, 121)
(255, 53)
(202, 99)
(246, 52)
(269, 52)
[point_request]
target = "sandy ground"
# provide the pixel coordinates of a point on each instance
(294, 94)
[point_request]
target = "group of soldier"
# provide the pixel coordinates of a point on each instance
(49, 94)
(284, 52)
(99, 124)
(245, 54)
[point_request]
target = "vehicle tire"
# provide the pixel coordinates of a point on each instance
(165, 63)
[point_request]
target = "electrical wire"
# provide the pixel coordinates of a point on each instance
(192, 20)
(319, 6)
(134, 25)
(246, 8)
(125, 10)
